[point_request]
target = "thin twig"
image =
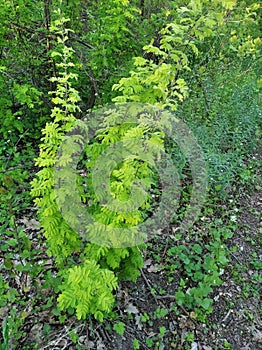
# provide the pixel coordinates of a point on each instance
(148, 284)
(8, 159)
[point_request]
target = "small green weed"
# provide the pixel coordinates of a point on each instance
(119, 327)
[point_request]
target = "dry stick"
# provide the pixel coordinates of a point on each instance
(102, 332)
(167, 296)
(148, 284)
(239, 262)
(54, 342)
(140, 341)
(165, 249)
(227, 315)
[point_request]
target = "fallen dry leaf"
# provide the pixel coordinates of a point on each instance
(131, 309)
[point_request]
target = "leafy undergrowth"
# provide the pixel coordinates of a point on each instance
(196, 291)
(152, 313)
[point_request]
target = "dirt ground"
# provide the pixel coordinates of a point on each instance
(236, 317)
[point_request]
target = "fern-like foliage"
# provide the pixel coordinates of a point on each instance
(88, 289)
(110, 249)
(90, 271)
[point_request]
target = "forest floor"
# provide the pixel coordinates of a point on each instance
(235, 322)
(149, 317)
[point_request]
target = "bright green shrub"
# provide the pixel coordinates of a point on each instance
(91, 255)
(97, 267)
